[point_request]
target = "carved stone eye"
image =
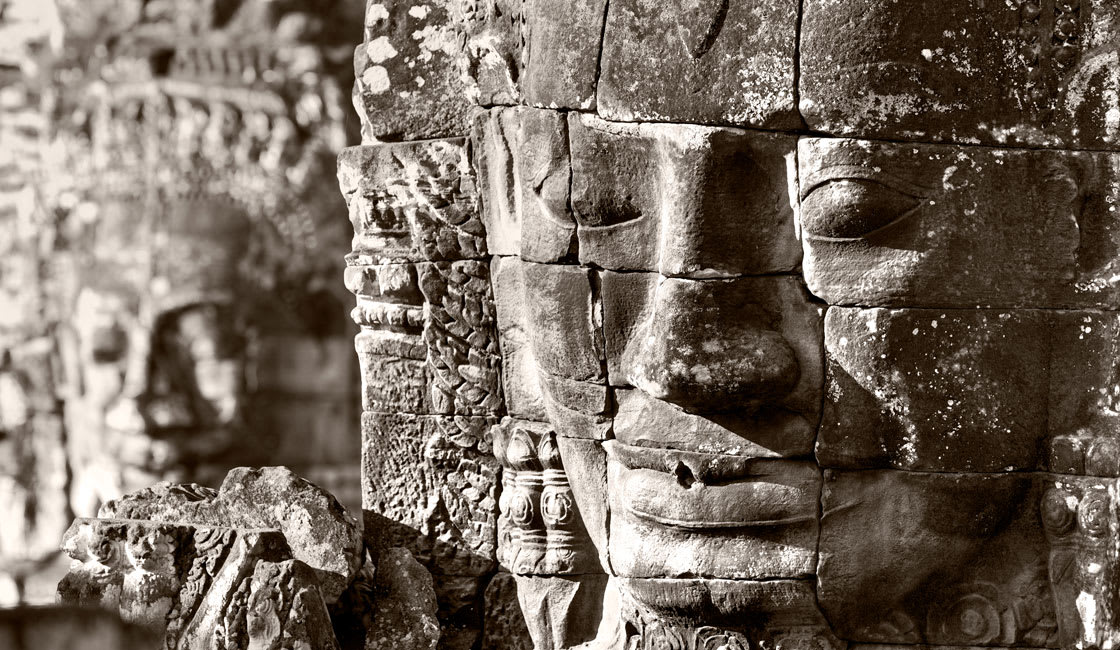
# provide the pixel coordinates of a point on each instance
(853, 207)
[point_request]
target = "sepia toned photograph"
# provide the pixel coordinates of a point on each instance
(559, 324)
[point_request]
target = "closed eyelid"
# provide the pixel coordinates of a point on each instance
(825, 175)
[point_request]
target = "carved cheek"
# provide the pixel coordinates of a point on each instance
(851, 208)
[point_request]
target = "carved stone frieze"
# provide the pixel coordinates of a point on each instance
(197, 586)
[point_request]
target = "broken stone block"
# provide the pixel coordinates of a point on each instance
(708, 62)
(524, 173)
(888, 224)
(405, 605)
(744, 354)
(195, 584)
(317, 529)
(705, 613)
(562, 65)
(429, 488)
(683, 200)
(939, 558)
(679, 514)
(1032, 73)
(412, 201)
(408, 78)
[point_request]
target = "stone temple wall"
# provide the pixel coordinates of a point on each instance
(727, 324)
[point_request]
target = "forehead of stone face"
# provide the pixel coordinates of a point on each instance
(1039, 72)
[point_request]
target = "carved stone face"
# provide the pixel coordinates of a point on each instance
(816, 301)
(159, 353)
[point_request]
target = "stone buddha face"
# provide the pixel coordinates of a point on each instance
(159, 354)
(808, 378)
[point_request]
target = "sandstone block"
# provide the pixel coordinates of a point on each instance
(412, 201)
(888, 224)
(408, 73)
(524, 173)
(970, 390)
(405, 602)
(1017, 73)
(564, 41)
(723, 613)
(428, 487)
(744, 354)
(707, 62)
(940, 558)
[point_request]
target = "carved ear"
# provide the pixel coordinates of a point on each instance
(698, 27)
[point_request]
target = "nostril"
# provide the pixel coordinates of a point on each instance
(684, 475)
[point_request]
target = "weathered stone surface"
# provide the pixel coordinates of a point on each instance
(540, 529)
(970, 390)
(1079, 516)
(744, 353)
(1038, 73)
(70, 628)
(405, 614)
(681, 199)
(706, 62)
(521, 385)
(585, 463)
(562, 62)
(694, 613)
(679, 514)
(561, 611)
(460, 332)
(504, 623)
(428, 487)
(940, 558)
(890, 224)
(194, 585)
(524, 171)
(409, 82)
(317, 529)
(562, 332)
(412, 201)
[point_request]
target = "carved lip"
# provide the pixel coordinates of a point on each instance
(708, 492)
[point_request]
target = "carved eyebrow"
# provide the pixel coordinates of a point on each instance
(872, 174)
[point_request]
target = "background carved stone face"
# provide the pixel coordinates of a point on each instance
(159, 354)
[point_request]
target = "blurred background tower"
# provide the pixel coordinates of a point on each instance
(173, 260)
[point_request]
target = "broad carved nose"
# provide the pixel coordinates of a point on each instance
(707, 346)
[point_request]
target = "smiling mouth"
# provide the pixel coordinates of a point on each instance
(693, 491)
